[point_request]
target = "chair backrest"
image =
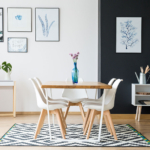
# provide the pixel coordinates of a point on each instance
(38, 81)
(110, 95)
(74, 93)
(109, 83)
(41, 100)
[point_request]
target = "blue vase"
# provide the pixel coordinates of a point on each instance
(75, 73)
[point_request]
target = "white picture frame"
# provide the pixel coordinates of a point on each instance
(128, 34)
(47, 25)
(19, 19)
(17, 45)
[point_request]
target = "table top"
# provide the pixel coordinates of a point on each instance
(80, 85)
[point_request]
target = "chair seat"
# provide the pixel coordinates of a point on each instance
(96, 106)
(75, 100)
(99, 101)
(53, 106)
(60, 100)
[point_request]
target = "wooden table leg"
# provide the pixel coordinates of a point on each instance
(14, 99)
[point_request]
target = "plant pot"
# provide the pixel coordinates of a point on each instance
(7, 76)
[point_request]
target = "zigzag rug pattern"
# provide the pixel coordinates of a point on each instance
(22, 135)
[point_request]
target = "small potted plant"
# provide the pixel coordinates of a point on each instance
(7, 67)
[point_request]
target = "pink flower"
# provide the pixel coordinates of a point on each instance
(78, 53)
(71, 54)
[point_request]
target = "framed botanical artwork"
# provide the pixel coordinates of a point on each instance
(19, 19)
(17, 45)
(1, 26)
(47, 24)
(128, 34)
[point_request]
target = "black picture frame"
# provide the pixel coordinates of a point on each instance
(18, 8)
(58, 24)
(2, 39)
(17, 38)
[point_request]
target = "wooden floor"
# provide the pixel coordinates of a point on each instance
(6, 122)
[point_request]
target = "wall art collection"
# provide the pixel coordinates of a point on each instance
(128, 34)
(19, 19)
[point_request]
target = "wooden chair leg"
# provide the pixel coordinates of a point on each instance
(40, 122)
(107, 124)
(98, 118)
(91, 123)
(139, 112)
(66, 113)
(86, 118)
(88, 122)
(111, 123)
(60, 123)
(82, 111)
(63, 118)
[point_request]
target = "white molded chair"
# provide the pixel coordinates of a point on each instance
(96, 107)
(96, 100)
(54, 108)
(63, 101)
(75, 97)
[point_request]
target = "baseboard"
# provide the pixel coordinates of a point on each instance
(114, 116)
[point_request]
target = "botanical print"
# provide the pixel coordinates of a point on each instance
(19, 19)
(128, 38)
(47, 24)
(1, 25)
(129, 33)
(46, 28)
(17, 45)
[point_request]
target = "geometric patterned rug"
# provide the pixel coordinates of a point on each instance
(22, 135)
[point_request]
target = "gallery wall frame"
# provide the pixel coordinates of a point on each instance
(15, 47)
(42, 26)
(1, 25)
(129, 40)
(11, 19)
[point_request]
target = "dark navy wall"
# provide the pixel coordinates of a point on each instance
(123, 65)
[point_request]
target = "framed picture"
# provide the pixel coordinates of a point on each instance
(19, 19)
(47, 24)
(128, 34)
(1, 26)
(17, 45)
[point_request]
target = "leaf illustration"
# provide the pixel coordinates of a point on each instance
(43, 25)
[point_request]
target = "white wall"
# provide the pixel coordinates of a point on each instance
(51, 60)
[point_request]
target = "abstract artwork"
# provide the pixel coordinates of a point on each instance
(1, 25)
(47, 24)
(17, 45)
(128, 34)
(19, 19)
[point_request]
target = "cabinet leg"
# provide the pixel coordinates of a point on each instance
(137, 112)
(14, 99)
(139, 115)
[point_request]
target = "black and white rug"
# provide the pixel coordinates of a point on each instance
(22, 135)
